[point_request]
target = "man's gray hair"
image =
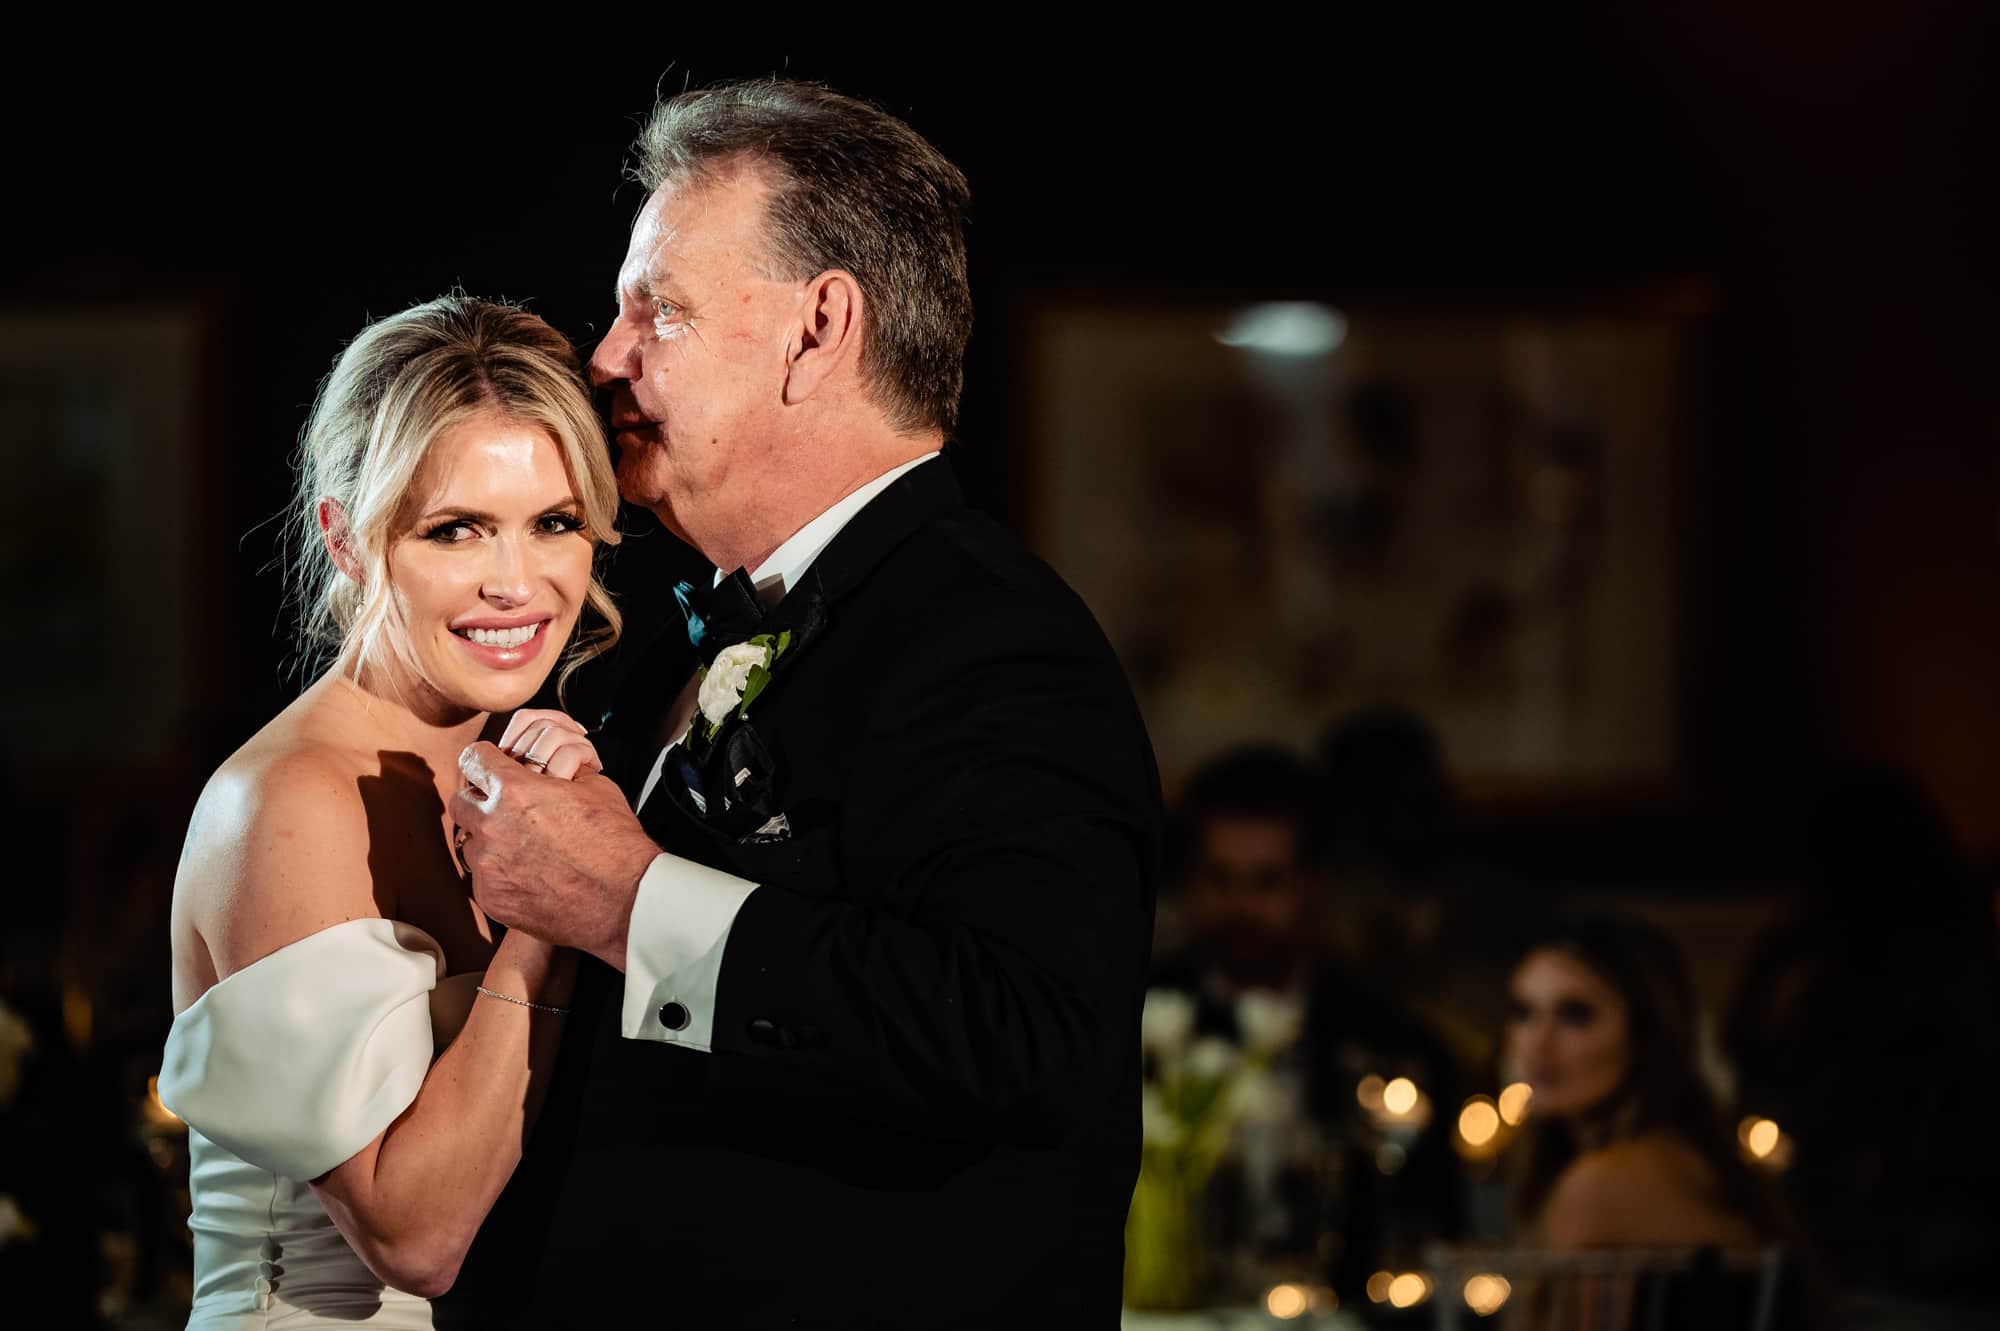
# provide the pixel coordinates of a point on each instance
(855, 189)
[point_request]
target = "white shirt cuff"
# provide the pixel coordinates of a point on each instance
(673, 950)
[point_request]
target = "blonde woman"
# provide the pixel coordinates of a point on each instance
(357, 1057)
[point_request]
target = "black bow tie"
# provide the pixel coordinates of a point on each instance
(731, 613)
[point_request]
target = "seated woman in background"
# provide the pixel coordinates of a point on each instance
(1626, 1144)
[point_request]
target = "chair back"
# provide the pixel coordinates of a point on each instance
(1612, 1289)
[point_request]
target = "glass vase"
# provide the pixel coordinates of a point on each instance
(1164, 1266)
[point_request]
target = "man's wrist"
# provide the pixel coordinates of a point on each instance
(632, 870)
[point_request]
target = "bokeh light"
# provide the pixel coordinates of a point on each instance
(1759, 1136)
(1369, 1092)
(1765, 1144)
(1400, 1096)
(1487, 1294)
(1408, 1290)
(1287, 1301)
(1378, 1286)
(1479, 1121)
(1514, 1103)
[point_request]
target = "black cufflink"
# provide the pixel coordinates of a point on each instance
(762, 1031)
(673, 1016)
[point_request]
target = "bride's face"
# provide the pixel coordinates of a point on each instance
(491, 565)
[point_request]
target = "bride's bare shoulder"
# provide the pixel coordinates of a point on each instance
(277, 847)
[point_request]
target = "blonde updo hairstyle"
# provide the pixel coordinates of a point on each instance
(404, 382)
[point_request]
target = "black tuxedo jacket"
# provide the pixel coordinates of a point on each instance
(921, 1107)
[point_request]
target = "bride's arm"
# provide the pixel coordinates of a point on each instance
(411, 1200)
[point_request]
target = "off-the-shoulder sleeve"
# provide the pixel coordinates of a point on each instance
(297, 1061)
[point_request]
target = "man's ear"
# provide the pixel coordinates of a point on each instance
(827, 335)
(333, 529)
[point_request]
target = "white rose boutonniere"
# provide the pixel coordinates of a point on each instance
(732, 681)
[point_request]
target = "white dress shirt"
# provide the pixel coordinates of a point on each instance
(681, 919)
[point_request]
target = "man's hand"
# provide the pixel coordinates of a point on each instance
(560, 859)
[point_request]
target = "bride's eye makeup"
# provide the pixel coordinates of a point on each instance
(453, 531)
(450, 532)
(559, 522)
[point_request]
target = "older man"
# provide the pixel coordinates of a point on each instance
(862, 1050)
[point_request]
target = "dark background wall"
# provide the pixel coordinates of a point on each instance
(1813, 168)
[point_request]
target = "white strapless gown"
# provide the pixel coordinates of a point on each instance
(282, 1071)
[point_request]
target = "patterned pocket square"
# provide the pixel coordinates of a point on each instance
(776, 828)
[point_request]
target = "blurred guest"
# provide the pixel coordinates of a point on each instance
(1246, 849)
(1414, 913)
(1865, 1027)
(1392, 807)
(1626, 1145)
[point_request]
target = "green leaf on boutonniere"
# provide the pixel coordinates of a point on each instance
(753, 684)
(775, 646)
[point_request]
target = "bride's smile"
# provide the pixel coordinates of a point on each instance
(490, 570)
(503, 646)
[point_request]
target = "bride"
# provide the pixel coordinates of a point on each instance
(358, 1059)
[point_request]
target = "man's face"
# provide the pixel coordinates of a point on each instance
(696, 361)
(1249, 898)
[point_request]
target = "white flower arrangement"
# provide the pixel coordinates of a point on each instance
(1269, 1022)
(1197, 1091)
(1157, 1127)
(1255, 1097)
(1198, 1088)
(1212, 1058)
(1166, 1022)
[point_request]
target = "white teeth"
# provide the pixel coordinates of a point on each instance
(503, 637)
